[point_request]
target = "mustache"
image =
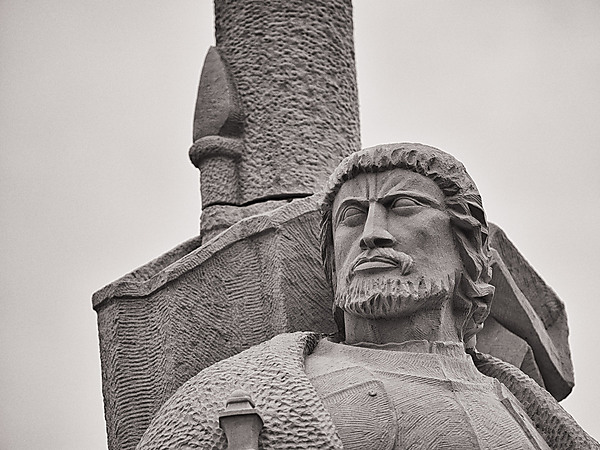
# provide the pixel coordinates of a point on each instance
(388, 255)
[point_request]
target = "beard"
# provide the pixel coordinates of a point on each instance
(388, 297)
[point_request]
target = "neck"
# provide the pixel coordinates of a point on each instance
(429, 325)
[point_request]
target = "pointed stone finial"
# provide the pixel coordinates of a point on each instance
(218, 128)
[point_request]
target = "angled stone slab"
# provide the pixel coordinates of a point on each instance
(529, 308)
(194, 306)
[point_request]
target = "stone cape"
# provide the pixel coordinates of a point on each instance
(294, 415)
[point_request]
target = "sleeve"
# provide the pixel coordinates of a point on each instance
(556, 426)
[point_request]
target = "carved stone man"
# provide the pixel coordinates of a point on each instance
(404, 243)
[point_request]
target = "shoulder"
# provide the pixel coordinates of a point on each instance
(190, 416)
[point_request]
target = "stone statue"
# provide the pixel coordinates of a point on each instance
(404, 242)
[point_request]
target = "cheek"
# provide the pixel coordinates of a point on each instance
(438, 241)
(435, 237)
(345, 245)
(338, 250)
(428, 234)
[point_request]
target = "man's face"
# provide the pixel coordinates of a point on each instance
(393, 245)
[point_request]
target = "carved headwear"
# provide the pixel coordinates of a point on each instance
(462, 201)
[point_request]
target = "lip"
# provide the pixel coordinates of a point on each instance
(374, 264)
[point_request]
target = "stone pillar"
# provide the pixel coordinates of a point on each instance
(277, 105)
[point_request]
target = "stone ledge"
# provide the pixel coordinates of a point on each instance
(190, 254)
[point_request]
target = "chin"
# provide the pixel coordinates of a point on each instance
(389, 298)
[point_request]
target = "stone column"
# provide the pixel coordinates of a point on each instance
(277, 105)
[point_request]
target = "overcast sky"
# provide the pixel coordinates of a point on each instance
(97, 99)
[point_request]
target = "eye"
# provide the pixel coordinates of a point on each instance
(352, 216)
(405, 206)
(402, 202)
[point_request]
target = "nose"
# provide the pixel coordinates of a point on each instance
(375, 233)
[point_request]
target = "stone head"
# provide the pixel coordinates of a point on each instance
(403, 229)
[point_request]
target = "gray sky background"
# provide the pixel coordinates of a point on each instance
(96, 108)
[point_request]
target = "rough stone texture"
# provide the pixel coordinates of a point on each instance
(277, 105)
(292, 63)
(293, 415)
(217, 218)
(165, 322)
(193, 306)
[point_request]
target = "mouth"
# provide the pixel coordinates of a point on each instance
(382, 260)
(375, 263)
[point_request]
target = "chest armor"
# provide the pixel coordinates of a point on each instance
(429, 396)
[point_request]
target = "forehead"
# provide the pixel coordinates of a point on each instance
(375, 186)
